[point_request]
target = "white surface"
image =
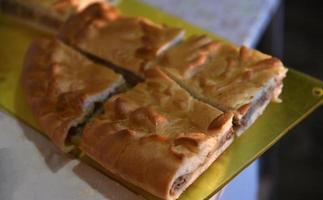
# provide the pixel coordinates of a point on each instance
(32, 168)
(239, 21)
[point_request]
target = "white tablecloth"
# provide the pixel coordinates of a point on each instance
(239, 21)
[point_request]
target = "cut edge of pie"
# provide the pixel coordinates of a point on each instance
(59, 87)
(137, 153)
(190, 64)
(129, 42)
(179, 167)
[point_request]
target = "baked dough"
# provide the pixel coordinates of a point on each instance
(230, 78)
(48, 15)
(156, 136)
(61, 87)
(128, 42)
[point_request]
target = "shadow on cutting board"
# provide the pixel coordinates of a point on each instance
(53, 157)
(55, 160)
(109, 188)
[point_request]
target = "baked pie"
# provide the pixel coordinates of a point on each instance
(127, 42)
(62, 86)
(193, 95)
(48, 15)
(231, 78)
(157, 128)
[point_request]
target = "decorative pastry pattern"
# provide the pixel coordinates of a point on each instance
(129, 42)
(235, 79)
(193, 97)
(159, 120)
(61, 86)
(46, 15)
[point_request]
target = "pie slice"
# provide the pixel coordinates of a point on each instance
(157, 137)
(62, 86)
(230, 78)
(49, 14)
(127, 42)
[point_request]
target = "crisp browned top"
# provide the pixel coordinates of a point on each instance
(60, 9)
(57, 81)
(222, 74)
(68, 7)
(152, 129)
(156, 128)
(63, 9)
(128, 42)
(157, 106)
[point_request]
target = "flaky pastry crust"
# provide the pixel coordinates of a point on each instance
(157, 128)
(128, 42)
(227, 77)
(61, 86)
(48, 15)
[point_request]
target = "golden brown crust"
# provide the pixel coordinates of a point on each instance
(77, 25)
(244, 109)
(191, 143)
(60, 84)
(221, 74)
(144, 131)
(68, 7)
(47, 15)
(190, 56)
(218, 122)
(129, 42)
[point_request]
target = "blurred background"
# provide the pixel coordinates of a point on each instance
(293, 168)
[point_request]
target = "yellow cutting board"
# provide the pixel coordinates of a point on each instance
(301, 95)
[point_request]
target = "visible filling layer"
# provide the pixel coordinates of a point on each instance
(258, 104)
(182, 180)
(27, 13)
(75, 132)
(266, 96)
(179, 182)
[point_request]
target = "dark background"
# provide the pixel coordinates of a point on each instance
(293, 168)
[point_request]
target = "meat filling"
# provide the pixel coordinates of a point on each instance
(258, 104)
(76, 131)
(180, 181)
